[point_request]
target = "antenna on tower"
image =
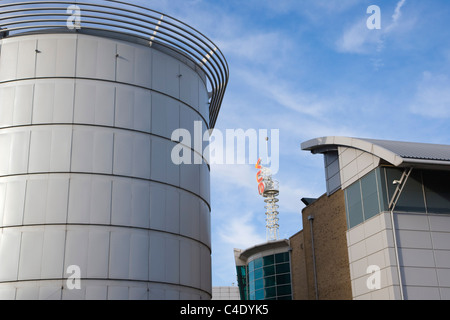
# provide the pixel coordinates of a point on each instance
(269, 189)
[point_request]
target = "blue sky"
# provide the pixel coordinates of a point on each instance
(312, 68)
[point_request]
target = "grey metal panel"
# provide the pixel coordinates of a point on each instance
(50, 149)
(50, 292)
(119, 255)
(96, 58)
(79, 199)
(94, 103)
(139, 255)
(26, 59)
(92, 150)
(140, 211)
(89, 160)
(31, 254)
(118, 293)
(189, 215)
(166, 71)
(23, 103)
(56, 56)
(121, 203)
(19, 151)
(53, 253)
(2, 201)
(97, 292)
(189, 91)
(142, 111)
(7, 96)
(8, 61)
(57, 198)
(14, 203)
(36, 202)
(165, 115)
(205, 182)
(100, 200)
(10, 250)
(134, 64)
(203, 101)
(205, 224)
(172, 259)
(190, 177)
(173, 204)
(157, 249)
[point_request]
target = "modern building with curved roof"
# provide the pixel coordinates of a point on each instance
(397, 218)
(92, 204)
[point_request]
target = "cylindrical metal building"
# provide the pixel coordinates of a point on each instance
(86, 178)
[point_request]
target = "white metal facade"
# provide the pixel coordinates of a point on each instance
(86, 176)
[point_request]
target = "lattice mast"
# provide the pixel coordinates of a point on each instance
(269, 189)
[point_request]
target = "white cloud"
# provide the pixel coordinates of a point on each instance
(284, 94)
(359, 39)
(398, 12)
(241, 231)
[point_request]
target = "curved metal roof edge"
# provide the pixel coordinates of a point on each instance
(249, 252)
(356, 143)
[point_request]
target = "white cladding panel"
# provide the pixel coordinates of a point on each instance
(86, 175)
(423, 254)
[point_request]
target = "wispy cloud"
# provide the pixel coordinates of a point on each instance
(241, 232)
(359, 39)
(396, 16)
(283, 93)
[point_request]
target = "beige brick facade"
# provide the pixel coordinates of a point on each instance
(330, 245)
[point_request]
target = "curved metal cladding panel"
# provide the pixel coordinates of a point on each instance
(86, 176)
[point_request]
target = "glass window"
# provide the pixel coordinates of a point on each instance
(259, 284)
(270, 292)
(370, 195)
(267, 261)
(251, 286)
(259, 294)
(269, 270)
(242, 281)
(383, 198)
(269, 281)
(411, 198)
(267, 274)
(437, 191)
(354, 205)
(283, 278)
(258, 263)
(258, 273)
(282, 268)
(282, 257)
(283, 290)
(251, 276)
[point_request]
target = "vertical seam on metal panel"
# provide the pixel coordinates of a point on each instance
(18, 260)
(36, 48)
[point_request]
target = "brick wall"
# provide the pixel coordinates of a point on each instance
(330, 242)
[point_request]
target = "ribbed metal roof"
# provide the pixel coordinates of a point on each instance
(22, 17)
(414, 150)
(398, 153)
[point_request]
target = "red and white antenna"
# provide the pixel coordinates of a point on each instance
(269, 189)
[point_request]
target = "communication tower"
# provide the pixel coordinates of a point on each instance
(269, 189)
